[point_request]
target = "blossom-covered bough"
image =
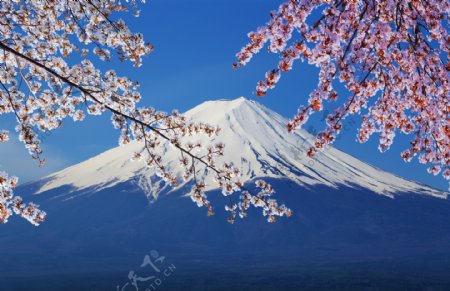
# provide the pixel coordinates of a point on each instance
(391, 55)
(46, 76)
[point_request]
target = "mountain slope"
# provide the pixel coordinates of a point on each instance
(256, 140)
(100, 223)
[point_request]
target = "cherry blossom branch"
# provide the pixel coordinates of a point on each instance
(406, 43)
(40, 65)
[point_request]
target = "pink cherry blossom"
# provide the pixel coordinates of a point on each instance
(392, 56)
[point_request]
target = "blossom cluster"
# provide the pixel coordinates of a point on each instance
(392, 56)
(10, 204)
(262, 199)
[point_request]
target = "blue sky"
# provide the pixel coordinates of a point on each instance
(196, 42)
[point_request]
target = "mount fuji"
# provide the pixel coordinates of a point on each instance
(106, 213)
(256, 140)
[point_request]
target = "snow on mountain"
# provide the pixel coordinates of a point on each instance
(257, 141)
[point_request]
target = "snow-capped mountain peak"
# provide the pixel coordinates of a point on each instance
(257, 141)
